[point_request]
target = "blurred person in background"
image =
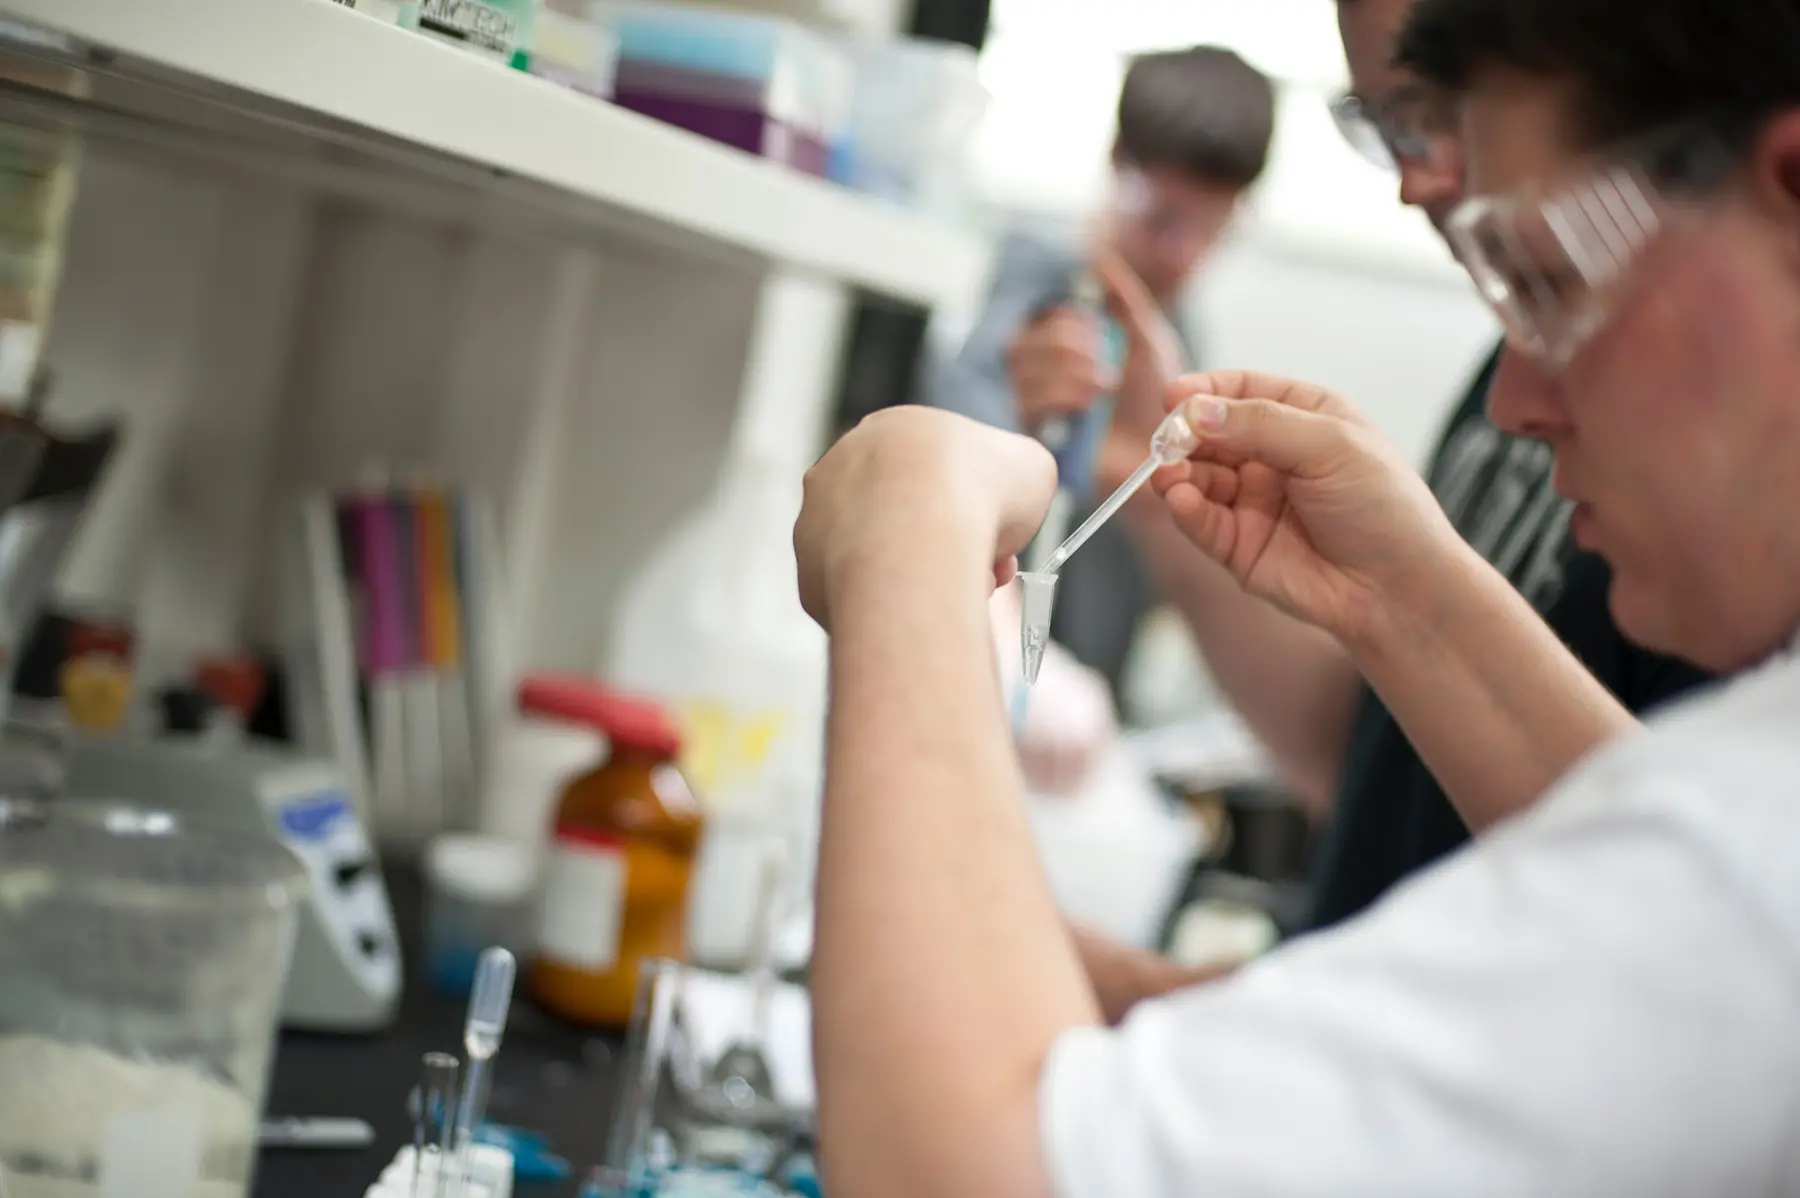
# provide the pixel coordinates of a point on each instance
(1360, 766)
(1597, 998)
(1194, 127)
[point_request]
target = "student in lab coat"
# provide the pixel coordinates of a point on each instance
(1598, 996)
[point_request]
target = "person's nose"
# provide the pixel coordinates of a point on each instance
(1433, 180)
(1429, 185)
(1524, 400)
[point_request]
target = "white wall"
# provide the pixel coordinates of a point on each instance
(259, 343)
(1401, 347)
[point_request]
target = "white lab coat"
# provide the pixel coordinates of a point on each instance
(1600, 999)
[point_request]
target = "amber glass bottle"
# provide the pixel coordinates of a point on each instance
(622, 851)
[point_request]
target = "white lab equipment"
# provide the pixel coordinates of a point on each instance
(409, 1175)
(347, 974)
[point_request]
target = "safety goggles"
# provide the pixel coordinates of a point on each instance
(1411, 124)
(1553, 263)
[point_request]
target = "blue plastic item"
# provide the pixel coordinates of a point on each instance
(532, 1158)
(1077, 444)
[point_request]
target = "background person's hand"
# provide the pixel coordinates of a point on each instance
(1152, 360)
(1055, 360)
(914, 479)
(1304, 501)
(1055, 366)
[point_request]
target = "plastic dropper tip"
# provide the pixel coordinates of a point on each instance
(491, 996)
(1174, 439)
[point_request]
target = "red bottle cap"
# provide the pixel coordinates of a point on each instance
(626, 720)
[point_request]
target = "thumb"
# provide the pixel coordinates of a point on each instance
(1292, 440)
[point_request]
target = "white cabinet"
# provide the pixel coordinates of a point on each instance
(306, 243)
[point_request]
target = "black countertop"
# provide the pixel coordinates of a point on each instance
(549, 1077)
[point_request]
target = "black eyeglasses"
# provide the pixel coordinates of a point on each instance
(1408, 125)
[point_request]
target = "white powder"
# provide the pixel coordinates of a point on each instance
(103, 1126)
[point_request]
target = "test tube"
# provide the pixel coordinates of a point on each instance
(434, 1104)
(1037, 602)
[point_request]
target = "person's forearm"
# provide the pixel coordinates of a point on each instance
(1295, 687)
(1123, 977)
(1497, 706)
(941, 973)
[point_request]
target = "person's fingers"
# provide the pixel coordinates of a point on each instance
(1048, 361)
(1050, 387)
(1252, 385)
(1005, 570)
(1296, 441)
(1217, 482)
(1055, 367)
(1130, 301)
(1061, 328)
(1211, 527)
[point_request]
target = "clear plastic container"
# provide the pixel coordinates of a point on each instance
(142, 962)
(918, 104)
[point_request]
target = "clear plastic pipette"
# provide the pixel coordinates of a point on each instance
(489, 1001)
(1172, 442)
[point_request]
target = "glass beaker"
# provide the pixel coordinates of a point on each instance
(142, 963)
(669, 1127)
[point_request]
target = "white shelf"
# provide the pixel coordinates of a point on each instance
(308, 87)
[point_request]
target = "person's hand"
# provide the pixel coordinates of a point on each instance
(1055, 360)
(1152, 350)
(913, 480)
(1152, 360)
(1304, 501)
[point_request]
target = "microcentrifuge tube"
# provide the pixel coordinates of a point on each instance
(1038, 601)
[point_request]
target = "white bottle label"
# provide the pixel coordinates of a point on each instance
(584, 901)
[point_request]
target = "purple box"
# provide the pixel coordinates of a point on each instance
(724, 108)
(746, 128)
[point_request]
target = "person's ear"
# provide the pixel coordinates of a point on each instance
(1775, 170)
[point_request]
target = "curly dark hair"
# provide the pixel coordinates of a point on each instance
(1636, 65)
